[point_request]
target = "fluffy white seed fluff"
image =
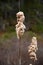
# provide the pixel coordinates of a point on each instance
(20, 16)
(32, 49)
(33, 56)
(20, 27)
(30, 64)
(34, 42)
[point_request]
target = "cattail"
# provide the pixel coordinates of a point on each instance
(32, 49)
(20, 27)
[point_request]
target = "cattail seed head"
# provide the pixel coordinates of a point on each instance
(20, 27)
(32, 49)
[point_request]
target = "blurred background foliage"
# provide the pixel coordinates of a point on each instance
(33, 10)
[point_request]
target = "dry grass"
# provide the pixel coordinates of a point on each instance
(9, 49)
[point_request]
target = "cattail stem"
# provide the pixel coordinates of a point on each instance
(19, 5)
(20, 51)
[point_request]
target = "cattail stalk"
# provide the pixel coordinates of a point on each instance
(20, 29)
(32, 49)
(20, 51)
